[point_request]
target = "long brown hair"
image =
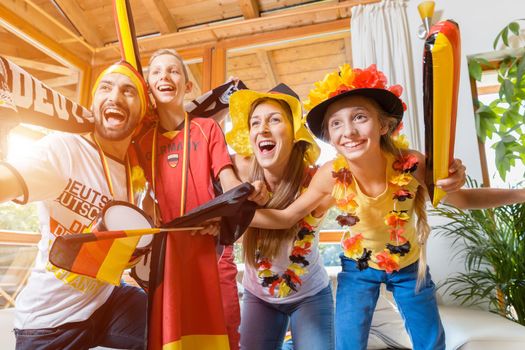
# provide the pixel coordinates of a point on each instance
(267, 243)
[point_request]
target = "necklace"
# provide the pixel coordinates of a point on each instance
(289, 281)
(395, 220)
(107, 173)
(185, 159)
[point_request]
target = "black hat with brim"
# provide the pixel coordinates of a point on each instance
(389, 102)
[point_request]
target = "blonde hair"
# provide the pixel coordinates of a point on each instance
(387, 145)
(258, 243)
(422, 226)
(171, 52)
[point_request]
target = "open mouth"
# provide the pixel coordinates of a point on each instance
(353, 144)
(114, 116)
(266, 146)
(165, 88)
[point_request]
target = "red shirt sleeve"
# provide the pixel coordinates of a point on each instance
(220, 158)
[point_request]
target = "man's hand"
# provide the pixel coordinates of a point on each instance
(260, 194)
(456, 179)
(211, 227)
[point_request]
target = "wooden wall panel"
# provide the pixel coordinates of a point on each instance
(309, 64)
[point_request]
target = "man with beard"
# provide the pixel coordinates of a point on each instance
(73, 177)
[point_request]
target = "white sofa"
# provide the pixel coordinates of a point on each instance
(7, 337)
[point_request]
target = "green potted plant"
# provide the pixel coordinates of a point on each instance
(503, 119)
(492, 244)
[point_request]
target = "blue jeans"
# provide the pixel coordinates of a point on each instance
(264, 325)
(357, 293)
(119, 323)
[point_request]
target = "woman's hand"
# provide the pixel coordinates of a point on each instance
(260, 194)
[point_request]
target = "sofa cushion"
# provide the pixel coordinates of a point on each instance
(469, 329)
(7, 337)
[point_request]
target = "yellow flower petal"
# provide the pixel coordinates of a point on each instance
(401, 179)
(400, 141)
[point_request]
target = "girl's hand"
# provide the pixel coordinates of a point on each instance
(456, 178)
(260, 194)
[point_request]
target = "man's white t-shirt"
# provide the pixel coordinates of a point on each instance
(64, 173)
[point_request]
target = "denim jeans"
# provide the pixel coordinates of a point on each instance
(357, 293)
(119, 323)
(264, 325)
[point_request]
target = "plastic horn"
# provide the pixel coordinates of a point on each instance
(426, 11)
(441, 63)
(126, 33)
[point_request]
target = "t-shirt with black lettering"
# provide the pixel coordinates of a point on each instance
(64, 173)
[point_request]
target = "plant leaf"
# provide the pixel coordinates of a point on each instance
(521, 70)
(515, 28)
(474, 69)
(508, 89)
(495, 44)
(505, 36)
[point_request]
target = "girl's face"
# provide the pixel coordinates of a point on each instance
(354, 127)
(166, 80)
(271, 135)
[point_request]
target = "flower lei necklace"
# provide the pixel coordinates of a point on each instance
(289, 280)
(395, 220)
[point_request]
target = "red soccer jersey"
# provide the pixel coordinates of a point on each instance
(208, 155)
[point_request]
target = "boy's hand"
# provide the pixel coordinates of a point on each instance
(211, 227)
(456, 179)
(260, 194)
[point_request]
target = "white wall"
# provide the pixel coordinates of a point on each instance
(479, 21)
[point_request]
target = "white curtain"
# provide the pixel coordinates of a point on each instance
(380, 35)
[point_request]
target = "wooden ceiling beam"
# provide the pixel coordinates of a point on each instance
(45, 67)
(29, 33)
(39, 38)
(281, 38)
(210, 34)
(45, 22)
(249, 8)
(287, 38)
(160, 13)
(78, 18)
(268, 67)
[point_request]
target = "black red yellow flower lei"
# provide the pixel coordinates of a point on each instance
(290, 279)
(344, 195)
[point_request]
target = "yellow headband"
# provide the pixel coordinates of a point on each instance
(126, 69)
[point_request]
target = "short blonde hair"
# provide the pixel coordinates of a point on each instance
(173, 53)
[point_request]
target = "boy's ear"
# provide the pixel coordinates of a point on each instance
(189, 86)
